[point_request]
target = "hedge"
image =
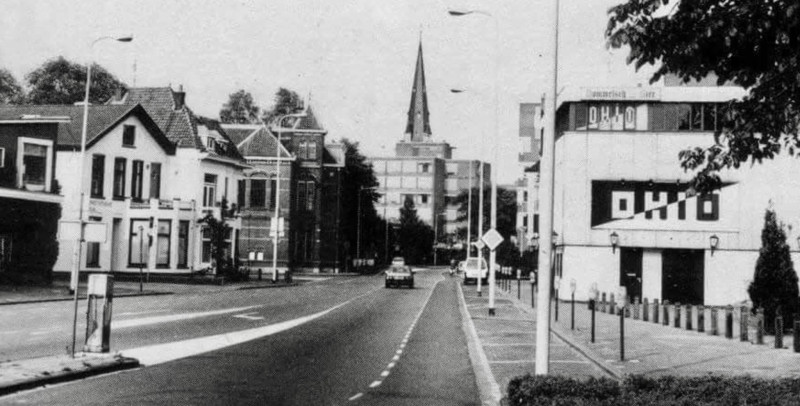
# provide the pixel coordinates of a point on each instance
(708, 390)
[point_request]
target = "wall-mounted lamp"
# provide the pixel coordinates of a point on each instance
(614, 237)
(535, 240)
(714, 242)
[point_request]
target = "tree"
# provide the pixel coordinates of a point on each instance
(774, 285)
(751, 43)
(506, 214)
(219, 231)
(415, 237)
(286, 102)
(59, 81)
(240, 109)
(10, 90)
(359, 184)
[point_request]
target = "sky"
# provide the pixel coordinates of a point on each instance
(355, 58)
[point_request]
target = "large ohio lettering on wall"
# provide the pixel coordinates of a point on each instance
(658, 202)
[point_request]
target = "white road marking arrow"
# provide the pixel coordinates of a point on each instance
(248, 316)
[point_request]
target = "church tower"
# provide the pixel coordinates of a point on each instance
(418, 127)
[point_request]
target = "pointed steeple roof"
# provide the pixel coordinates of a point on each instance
(418, 128)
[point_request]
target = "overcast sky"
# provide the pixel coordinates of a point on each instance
(355, 57)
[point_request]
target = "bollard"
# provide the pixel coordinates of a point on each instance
(556, 309)
(259, 273)
(533, 295)
(760, 326)
(594, 307)
(99, 298)
(778, 330)
(612, 308)
(603, 303)
(796, 331)
(622, 335)
(519, 288)
(666, 313)
(677, 308)
(714, 330)
(701, 319)
(743, 323)
(572, 320)
(729, 322)
(645, 310)
(689, 313)
(656, 306)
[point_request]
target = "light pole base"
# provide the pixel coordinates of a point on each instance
(491, 311)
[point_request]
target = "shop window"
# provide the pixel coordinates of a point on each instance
(183, 244)
(138, 242)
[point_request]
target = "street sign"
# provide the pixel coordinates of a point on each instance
(479, 244)
(492, 239)
(92, 231)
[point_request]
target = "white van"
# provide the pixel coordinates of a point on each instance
(475, 268)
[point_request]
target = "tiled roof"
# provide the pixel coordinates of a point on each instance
(259, 142)
(101, 118)
(237, 135)
(309, 121)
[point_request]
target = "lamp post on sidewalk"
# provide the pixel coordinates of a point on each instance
(493, 215)
(82, 168)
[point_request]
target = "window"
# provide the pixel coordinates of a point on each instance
(34, 161)
(2, 157)
(98, 169)
(119, 178)
(302, 150)
(240, 193)
(310, 195)
(225, 190)
(273, 187)
(301, 195)
(155, 180)
(258, 193)
(312, 150)
(423, 199)
(183, 243)
(206, 250)
(138, 242)
(211, 143)
(162, 244)
(209, 190)
(128, 136)
(93, 249)
(425, 167)
(137, 178)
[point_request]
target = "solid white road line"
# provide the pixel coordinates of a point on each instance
(249, 316)
(375, 384)
(174, 317)
(161, 353)
(356, 396)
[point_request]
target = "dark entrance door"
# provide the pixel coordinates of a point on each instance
(630, 271)
(682, 274)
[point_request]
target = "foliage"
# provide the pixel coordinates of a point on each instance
(286, 102)
(33, 227)
(774, 284)
(240, 109)
(10, 90)
(752, 43)
(59, 81)
(415, 237)
(663, 391)
(219, 230)
(506, 216)
(359, 183)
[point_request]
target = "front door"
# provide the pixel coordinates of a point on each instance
(630, 271)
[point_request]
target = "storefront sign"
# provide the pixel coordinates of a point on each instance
(622, 93)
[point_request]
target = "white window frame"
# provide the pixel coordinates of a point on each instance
(48, 173)
(2, 157)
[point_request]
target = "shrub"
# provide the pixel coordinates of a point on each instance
(774, 285)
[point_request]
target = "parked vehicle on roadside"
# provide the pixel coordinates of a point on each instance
(399, 275)
(475, 268)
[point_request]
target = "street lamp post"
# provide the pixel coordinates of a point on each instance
(493, 215)
(82, 165)
(276, 217)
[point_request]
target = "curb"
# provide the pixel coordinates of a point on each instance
(65, 299)
(66, 376)
(282, 285)
(555, 329)
(487, 386)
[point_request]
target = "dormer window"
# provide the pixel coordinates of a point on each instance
(211, 144)
(128, 136)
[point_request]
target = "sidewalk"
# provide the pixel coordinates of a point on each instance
(506, 346)
(655, 349)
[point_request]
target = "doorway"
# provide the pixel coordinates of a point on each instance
(682, 276)
(630, 271)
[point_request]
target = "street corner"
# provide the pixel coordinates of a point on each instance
(27, 374)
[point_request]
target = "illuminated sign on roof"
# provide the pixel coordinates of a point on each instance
(621, 93)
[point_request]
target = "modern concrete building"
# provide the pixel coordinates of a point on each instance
(423, 169)
(625, 215)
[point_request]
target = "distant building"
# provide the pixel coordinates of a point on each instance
(424, 170)
(530, 137)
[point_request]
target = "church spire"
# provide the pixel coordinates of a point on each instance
(418, 128)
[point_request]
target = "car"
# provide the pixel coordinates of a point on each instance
(475, 268)
(398, 261)
(399, 275)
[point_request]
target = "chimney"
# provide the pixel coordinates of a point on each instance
(180, 98)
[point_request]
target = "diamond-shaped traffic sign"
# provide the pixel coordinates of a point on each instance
(479, 244)
(492, 239)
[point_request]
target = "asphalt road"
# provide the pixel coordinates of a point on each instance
(380, 346)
